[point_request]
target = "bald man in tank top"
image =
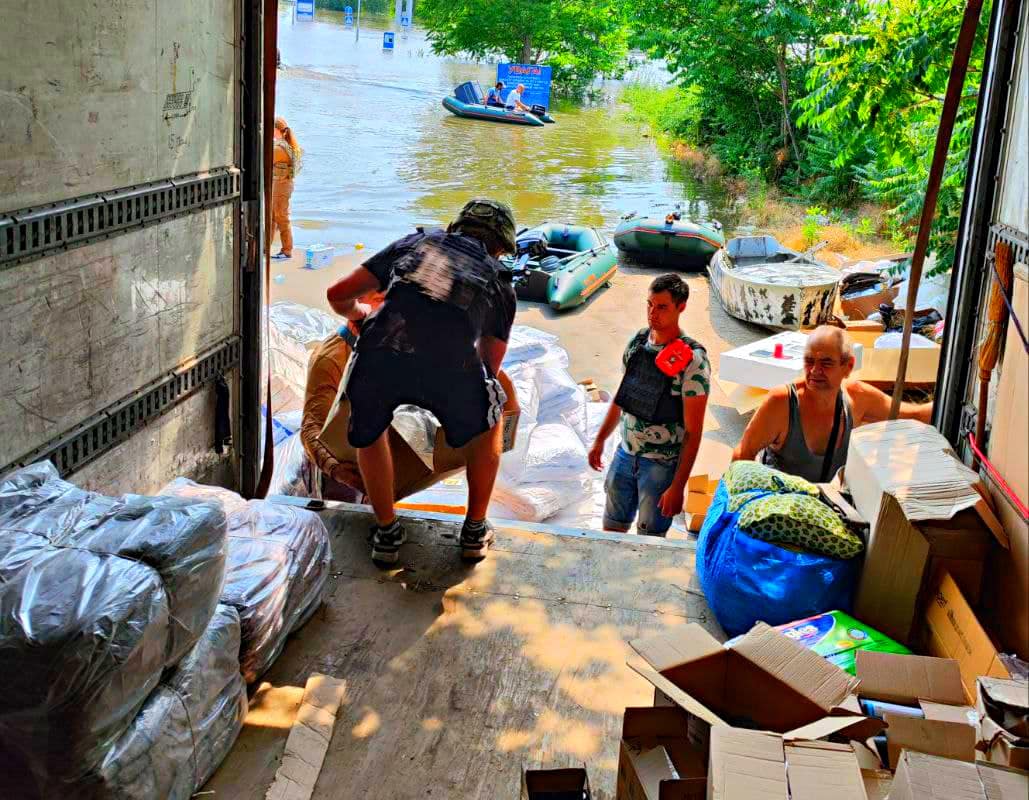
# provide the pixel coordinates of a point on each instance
(791, 431)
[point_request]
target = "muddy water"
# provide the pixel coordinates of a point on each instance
(382, 155)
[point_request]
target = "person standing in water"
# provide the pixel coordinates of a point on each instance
(285, 166)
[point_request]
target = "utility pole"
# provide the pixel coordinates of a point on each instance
(398, 10)
(357, 27)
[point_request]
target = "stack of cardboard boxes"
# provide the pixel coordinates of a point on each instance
(766, 717)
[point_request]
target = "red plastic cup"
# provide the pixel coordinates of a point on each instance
(777, 353)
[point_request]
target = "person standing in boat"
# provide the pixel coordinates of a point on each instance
(514, 99)
(494, 97)
(436, 342)
(804, 428)
(660, 405)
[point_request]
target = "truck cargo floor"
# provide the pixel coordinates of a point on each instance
(460, 677)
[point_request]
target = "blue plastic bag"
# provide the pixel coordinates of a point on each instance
(747, 580)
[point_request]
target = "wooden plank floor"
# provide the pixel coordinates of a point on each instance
(460, 677)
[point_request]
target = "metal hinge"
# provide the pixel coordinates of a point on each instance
(113, 425)
(32, 233)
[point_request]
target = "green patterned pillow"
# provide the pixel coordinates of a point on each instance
(748, 476)
(801, 521)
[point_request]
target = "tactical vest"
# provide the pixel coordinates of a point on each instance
(448, 268)
(645, 391)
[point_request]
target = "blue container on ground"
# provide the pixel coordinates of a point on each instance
(746, 580)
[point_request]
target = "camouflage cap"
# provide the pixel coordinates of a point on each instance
(489, 216)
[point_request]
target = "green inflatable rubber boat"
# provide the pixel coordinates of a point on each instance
(561, 265)
(669, 241)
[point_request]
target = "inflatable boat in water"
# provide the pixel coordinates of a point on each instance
(671, 240)
(561, 265)
(469, 102)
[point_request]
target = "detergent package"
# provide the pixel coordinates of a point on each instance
(837, 637)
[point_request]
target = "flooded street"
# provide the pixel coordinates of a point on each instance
(382, 155)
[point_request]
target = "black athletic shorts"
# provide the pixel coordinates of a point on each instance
(467, 402)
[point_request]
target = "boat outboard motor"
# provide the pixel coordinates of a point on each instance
(470, 93)
(538, 110)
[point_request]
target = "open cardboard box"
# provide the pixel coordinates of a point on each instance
(757, 765)
(763, 680)
(556, 784)
(926, 777)
(656, 760)
(1003, 701)
(949, 728)
(952, 630)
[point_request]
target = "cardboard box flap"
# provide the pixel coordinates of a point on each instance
(925, 777)
(944, 712)
(684, 643)
(746, 765)
(955, 740)
(820, 770)
(1003, 783)
(675, 694)
(878, 783)
(854, 727)
(803, 670)
(908, 679)
(1009, 692)
(652, 767)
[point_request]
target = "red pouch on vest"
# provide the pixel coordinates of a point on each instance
(674, 358)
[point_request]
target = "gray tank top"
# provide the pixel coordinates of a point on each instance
(795, 458)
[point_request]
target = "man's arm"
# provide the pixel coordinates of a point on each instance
(607, 427)
(693, 409)
(343, 294)
(871, 405)
(492, 351)
(323, 379)
(765, 427)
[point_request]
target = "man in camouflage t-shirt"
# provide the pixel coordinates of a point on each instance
(661, 415)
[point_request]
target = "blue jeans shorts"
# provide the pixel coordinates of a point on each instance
(634, 484)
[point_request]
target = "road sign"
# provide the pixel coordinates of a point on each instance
(387, 40)
(405, 22)
(536, 78)
(348, 17)
(305, 9)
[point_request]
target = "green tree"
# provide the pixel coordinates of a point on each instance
(875, 92)
(749, 60)
(579, 39)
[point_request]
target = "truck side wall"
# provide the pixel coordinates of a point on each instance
(98, 95)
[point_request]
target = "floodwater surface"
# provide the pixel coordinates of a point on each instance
(382, 155)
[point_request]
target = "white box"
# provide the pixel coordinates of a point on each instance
(755, 365)
(318, 256)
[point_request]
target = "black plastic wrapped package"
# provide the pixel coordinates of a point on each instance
(278, 563)
(97, 597)
(183, 541)
(187, 726)
(83, 639)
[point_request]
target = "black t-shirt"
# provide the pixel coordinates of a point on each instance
(436, 331)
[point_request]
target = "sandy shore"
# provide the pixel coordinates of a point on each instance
(594, 334)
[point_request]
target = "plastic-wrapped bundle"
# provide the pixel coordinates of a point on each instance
(536, 502)
(294, 474)
(277, 565)
(184, 542)
(83, 639)
(531, 344)
(97, 597)
(555, 453)
(187, 726)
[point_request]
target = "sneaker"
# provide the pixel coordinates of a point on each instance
(386, 542)
(476, 541)
(282, 257)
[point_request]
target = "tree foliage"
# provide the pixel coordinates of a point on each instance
(579, 39)
(876, 93)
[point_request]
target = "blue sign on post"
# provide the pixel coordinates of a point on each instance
(536, 78)
(405, 22)
(387, 40)
(305, 9)
(348, 16)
